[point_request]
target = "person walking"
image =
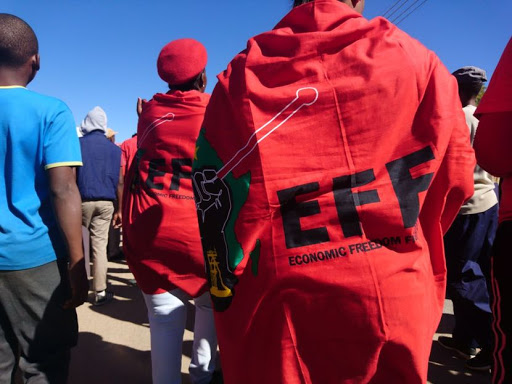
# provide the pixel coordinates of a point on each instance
(492, 146)
(160, 231)
(97, 182)
(468, 245)
(334, 155)
(42, 269)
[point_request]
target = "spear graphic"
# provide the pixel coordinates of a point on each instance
(303, 97)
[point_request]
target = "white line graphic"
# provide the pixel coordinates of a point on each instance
(303, 97)
(207, 177)
(167, 117)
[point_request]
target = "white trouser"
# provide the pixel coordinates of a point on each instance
(167, 314)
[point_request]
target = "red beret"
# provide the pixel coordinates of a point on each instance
(181, 60)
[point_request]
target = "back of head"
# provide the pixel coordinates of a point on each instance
(181, 63)
(470, 80)
(296, 3)
(357, 5)
(18, 42)
(96, 120)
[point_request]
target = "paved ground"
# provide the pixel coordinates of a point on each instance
(114, 342)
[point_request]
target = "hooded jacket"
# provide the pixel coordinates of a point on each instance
(98, 177)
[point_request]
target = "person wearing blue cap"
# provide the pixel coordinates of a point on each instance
(468, 245)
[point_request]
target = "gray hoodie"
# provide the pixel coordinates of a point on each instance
(96, 119)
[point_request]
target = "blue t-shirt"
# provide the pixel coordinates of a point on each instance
(37, 133)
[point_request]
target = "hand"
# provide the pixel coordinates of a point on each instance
(117, 221)
(212, 198)
(213, 203)
(79, 285)
(140, 105)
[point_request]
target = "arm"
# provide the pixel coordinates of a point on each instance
(118, 216)
(140, 105)
(453, 183)
(68, 210)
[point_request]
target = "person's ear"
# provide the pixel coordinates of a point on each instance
(204, 80)
(35, 64)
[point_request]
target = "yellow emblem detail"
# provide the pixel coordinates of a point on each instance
(217, 288)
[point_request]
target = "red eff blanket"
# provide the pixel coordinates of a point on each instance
(160, 233)
(498, 100)
(333, 156)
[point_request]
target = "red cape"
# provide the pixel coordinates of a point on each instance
(493, 140)
(160, 232)
(334, 155)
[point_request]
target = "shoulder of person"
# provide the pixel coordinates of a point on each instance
(113, 147)
(49, 102)
(51, 109)
(417, 51)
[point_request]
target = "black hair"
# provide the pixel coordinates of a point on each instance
(18, 42)
(470, 88)
(189, 85)
(296, 3)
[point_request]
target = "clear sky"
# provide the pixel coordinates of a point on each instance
(97, 52)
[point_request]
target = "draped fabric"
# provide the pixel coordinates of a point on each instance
(333, 156)
(160, 232)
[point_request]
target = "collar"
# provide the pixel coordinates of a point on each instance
(318, 15)
(96, 131)
(11, 86)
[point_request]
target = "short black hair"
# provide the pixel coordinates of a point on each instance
(189, 85)
(18, 42)
(296, 3)
(470, 88)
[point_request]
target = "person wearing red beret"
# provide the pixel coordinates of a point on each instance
(161, 236)
(492, 145)
(333, 157)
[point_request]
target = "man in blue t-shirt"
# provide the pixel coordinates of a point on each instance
(42, 271)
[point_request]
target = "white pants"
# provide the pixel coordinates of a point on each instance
(167, 314)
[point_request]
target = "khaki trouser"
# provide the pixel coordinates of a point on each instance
(96, 217)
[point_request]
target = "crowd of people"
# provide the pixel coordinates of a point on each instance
(316, 227)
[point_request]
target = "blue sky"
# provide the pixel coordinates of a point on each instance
(97, 52)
